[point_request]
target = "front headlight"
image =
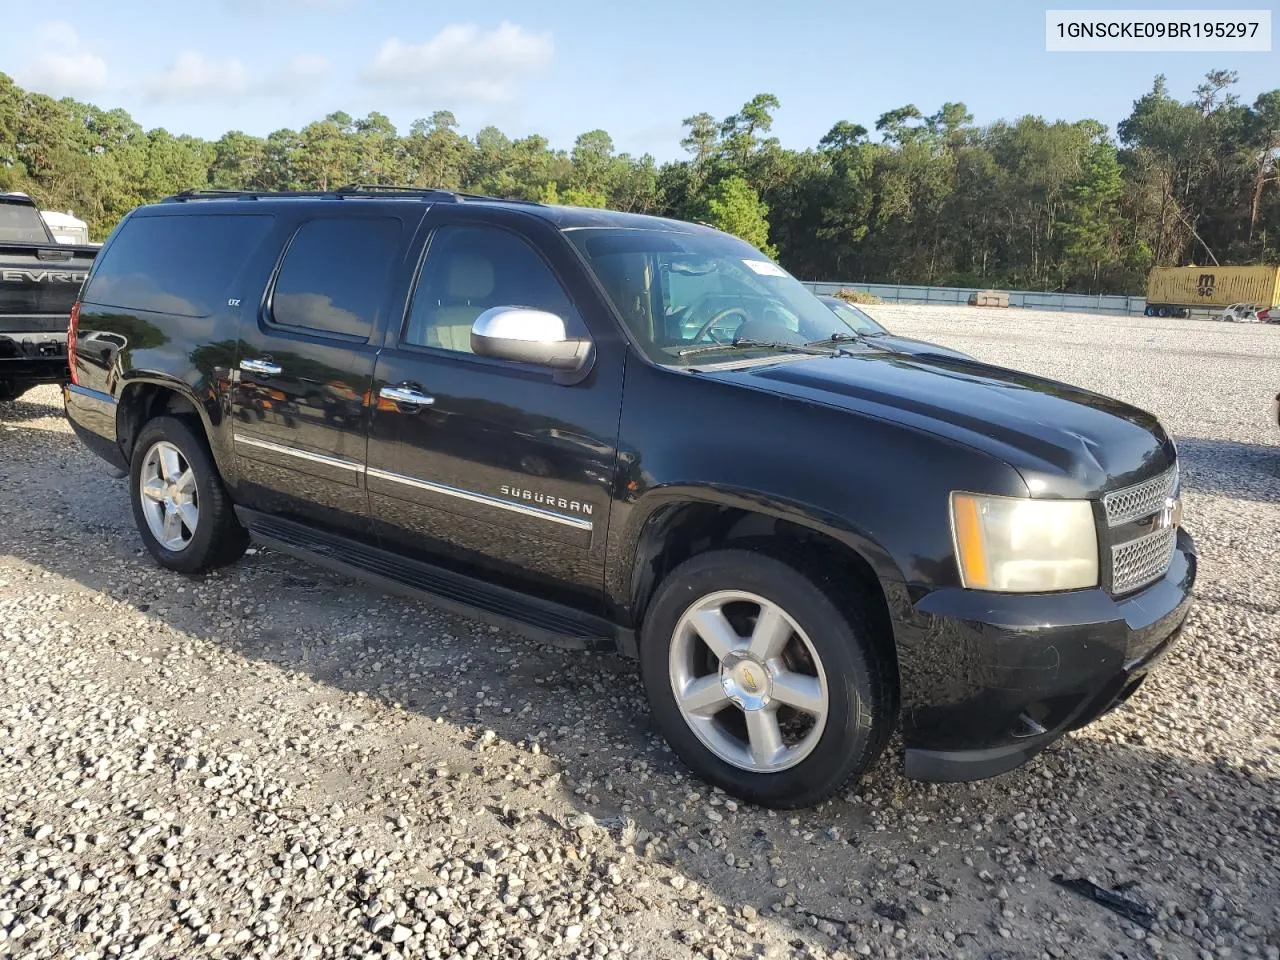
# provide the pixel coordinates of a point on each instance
(1024, 546)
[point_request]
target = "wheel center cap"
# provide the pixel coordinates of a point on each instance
(747, 682)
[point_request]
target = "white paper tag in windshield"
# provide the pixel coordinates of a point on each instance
(765, 268)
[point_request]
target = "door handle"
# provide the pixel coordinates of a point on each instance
(409, 396)
(264, 367)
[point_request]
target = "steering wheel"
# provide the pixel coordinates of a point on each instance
(716, 318)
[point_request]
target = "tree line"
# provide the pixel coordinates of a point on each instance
(924, 198)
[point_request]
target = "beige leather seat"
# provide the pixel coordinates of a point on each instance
(446, 322)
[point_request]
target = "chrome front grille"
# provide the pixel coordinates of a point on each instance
(1141, 528)
(1140, 500)
(1139, 562)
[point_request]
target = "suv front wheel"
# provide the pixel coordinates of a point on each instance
(179, 504)
(761, 683)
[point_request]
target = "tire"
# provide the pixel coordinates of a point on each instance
(1163, 312)
(218, 538)
(828, 646)
(1150, 311)
(12, 391)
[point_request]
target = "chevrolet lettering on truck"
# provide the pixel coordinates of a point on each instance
(601, 428)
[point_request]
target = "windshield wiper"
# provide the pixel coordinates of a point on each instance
(842, 337)
(749, 344)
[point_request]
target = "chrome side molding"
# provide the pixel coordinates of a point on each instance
(280, 448)
(524, 509)
(578, 523)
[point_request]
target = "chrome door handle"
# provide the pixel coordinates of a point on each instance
(264, 367)
(407, 395)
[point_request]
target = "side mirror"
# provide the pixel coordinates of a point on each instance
(526, 335)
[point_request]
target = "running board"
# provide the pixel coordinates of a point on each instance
(537, 619)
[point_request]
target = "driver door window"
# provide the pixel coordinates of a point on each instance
(469, 269)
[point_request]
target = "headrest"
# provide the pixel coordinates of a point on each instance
(470, 278)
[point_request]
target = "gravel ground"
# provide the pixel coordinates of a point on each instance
(275, 761)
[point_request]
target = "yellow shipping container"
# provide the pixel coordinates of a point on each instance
(1213, 286)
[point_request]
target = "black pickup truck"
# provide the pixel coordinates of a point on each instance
(39, 280)
(595, 426)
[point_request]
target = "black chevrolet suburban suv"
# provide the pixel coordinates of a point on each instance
(603, 427)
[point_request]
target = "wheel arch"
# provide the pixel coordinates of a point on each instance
(144, 398)
(680, 524)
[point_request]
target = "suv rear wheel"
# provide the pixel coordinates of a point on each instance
(760, 682)
(179, 504)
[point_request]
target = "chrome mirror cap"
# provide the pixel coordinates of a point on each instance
(526, 335)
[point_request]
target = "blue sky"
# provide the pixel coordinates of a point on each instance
(565, 66)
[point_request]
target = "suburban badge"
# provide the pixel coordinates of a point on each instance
(546, 499)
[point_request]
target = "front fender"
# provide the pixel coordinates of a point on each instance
(642, 526)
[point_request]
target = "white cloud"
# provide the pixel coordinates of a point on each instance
(60, 64)
(194, 77)
(462, 64)
(301, 74)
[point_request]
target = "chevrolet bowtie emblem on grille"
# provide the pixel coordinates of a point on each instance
(749, 681)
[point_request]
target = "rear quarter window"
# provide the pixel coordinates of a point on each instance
(179, 265)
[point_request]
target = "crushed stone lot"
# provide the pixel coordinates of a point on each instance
(277, 761)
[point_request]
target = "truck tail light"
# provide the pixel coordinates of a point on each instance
(71, 340)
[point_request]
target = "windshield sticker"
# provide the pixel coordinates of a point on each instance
(765, 268)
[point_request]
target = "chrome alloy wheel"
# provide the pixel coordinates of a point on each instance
(748, 681)
(170, 502)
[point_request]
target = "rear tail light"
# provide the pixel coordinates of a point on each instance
(1266, 316)
(71, 340)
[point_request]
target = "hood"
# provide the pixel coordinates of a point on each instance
(899, 344)
(1063, 440)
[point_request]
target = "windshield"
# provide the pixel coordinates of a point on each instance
(855, 318)
(676, 291)
(21, 223)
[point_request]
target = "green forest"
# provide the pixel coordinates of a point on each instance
(921, 197)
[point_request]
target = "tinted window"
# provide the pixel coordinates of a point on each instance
(21, 223)
(677, 291)
(470, 269)
(335, 275)
(176, 264)
(853, 316)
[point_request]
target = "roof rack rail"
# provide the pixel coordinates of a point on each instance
(385, 188)
(212, 193)
(349, 191)
(438, 192)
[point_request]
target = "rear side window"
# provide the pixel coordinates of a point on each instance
(334, 276)
(175, 264)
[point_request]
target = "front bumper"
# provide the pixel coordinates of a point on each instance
(989, 680)
(34, 357)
